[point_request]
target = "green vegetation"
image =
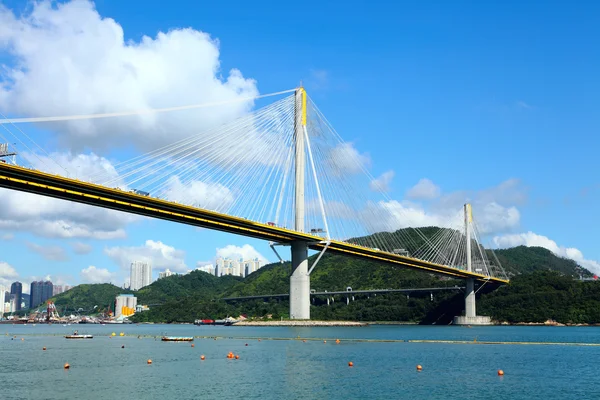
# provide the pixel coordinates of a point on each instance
(86, 297)
(542, 296)
(542, 287)
(522, 259)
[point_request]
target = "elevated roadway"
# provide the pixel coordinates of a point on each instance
(350, 293)
(45, 184)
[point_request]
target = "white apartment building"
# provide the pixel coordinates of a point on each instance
(166, 273)
(241, 267)
(140, 275)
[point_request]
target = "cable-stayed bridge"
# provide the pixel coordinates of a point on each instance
(280, 173)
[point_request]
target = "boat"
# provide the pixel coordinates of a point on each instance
(227, 321)
(177, 338)
(204, 322)
(79, 336)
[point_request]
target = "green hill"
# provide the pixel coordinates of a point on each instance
(86, 296)
(184, 298)
(543, 295)
(522, 259)
(196, 283)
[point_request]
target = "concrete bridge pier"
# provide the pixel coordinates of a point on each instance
(470, 317)
(299, 282)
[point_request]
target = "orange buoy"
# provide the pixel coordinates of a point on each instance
(324, 341)
(304, 341)
(419, 368)
(259, 340)
(149, 362)
(500, 372)
(202, 357)
(192, 344)
(350, 364)
(337, 341)
(43, 348)
(67, 366)
(237, 357)
(22, 339)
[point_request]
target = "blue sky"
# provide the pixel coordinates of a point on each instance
(465, 94)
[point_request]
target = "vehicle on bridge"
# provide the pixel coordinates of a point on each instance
(140, 192)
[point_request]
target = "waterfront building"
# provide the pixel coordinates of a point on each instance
(39, 292)
(16, 289)
(140, 275)
(125, 305)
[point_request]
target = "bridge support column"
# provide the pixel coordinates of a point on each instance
(470, 317)
(299, 282)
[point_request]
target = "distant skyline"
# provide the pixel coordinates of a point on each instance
(488, 102)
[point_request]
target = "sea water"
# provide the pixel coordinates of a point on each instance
(282, 366)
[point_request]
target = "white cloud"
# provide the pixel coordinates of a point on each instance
(492, 217)
(81, 248)
(531, 239)
(424, 190)
(55, 279)
(49, 217)
(7, 274)
(382, 184)
(210, 196)
(446, 210)
(392, 215)
(247, 252)
(345, 159)
(160, 255)
(92, 274)
(70, 60)
(7, 236)
(51, 253)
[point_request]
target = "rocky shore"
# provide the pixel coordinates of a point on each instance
(300, 323)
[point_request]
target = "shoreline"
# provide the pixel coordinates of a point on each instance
(307, 323)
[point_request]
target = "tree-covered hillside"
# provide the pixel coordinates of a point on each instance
(86, 297)
(534, 293)
(523, 259)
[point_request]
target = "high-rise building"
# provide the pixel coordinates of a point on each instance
(39, 293)
(140, 276)
(167, 272)
(16, 289)
(241, 267)
(3, 292)
(125, 305)
(57, 289)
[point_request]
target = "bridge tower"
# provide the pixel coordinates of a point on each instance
(470, 317)
(300, 278)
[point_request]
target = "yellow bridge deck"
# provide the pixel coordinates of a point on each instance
(41, 183)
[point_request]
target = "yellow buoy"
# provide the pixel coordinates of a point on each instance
(113, 334)
(121, 334)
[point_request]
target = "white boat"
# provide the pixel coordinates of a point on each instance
(79, 336)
